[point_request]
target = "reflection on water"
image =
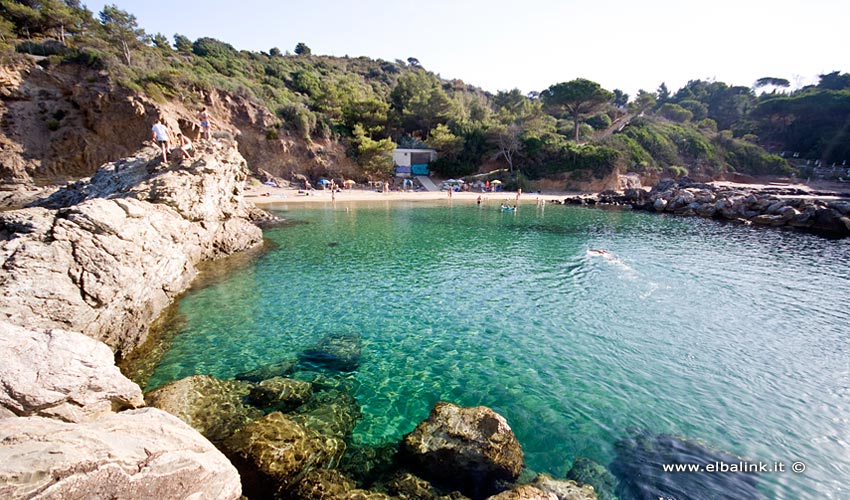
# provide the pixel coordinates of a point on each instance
(731, 334)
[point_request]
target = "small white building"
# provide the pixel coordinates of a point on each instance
(413, 161)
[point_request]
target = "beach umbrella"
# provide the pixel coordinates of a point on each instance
(349, 182)
(497, 181)
(324, 181)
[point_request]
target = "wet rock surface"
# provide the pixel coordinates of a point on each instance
(276, 452)
(469, 449)
(279, 393)
(213, 407)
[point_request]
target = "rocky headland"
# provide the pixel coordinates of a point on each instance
(821, 212)
(85, 273)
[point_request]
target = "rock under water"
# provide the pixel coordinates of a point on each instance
(639, 467)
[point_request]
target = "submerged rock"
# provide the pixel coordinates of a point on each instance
(144, 453)
(60, 374)
(333, 413)
(639, 467)
(406, 486)
(283, 368)
(370, 464)
(282, 394)
(322, 484)
(213, 407)
(469, 449)
(282, 451)
(336, 352)
(586, 471)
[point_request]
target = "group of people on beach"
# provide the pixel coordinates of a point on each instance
(162, 136)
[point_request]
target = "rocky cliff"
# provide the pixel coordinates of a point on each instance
(106, 255)
(54, 129)
(98, 261)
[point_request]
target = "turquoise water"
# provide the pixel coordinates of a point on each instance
(735, 335)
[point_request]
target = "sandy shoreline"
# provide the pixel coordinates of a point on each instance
(267, 195)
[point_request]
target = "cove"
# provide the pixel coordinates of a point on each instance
(735, 335)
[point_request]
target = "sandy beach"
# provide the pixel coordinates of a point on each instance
(267, 195)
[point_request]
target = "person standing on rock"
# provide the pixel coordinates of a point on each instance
(162, 137)
(205, 123)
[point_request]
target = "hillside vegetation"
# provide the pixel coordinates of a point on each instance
(364, 108)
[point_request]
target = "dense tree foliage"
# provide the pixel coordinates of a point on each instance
(706, 127)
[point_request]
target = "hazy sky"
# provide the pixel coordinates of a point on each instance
(532, 44)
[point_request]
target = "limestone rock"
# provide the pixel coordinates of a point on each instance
(61, 374)
(282, 450)
(106, 255)
(144, 453)
(468, 448)
(211, 406)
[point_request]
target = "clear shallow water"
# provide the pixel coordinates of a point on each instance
(735, 335)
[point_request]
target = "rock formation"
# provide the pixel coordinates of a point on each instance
(99, 260)
(819, 212)
(143, 453)
(106, 255)
(467, 448)
(62, 375)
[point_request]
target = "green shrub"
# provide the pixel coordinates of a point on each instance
(272, 134)
(44, 48)
(53, 124)
(677, 171)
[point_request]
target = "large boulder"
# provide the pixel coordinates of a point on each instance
(106, 255)
(470, 449)
(213, 407)
(143, 453)
(60, 374)
(281, 452)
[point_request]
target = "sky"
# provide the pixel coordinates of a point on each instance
(532, 44)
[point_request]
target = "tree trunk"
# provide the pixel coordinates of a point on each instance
(575, 121)
(126, 49)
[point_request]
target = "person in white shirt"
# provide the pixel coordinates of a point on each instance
(162, 136)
